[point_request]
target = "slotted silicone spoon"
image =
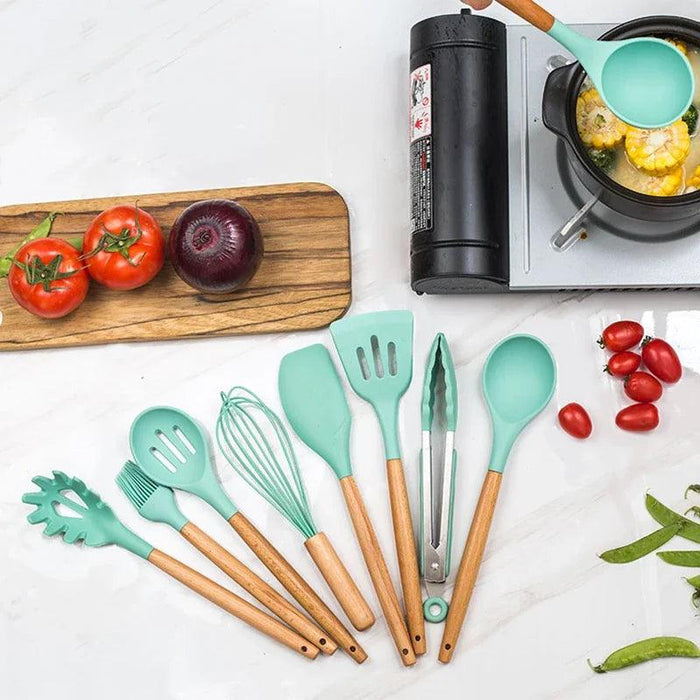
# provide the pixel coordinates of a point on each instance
(315, 405)
(95, 524)
(173, 450)
(518, 382)
(376, 351)
(646, 82)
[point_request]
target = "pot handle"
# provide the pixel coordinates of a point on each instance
(554, 100)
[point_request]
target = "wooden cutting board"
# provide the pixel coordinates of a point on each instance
(303, 281)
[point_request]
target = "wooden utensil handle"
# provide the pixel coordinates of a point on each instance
(340, 582)
(288, 576)
(469, 566)
(531, 12)
(259, 589)
(378, 570)
(230, 602)
(406, 552)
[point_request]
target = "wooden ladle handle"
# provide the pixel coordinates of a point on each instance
(469, 566)
(339, 581)
(378, 570)
(531, 12)
(259, 589)
(230, 602)
(406, 552)
(289, 577)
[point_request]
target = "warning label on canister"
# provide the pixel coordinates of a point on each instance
(421, 129)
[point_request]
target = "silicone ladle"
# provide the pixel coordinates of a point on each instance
(646, 82)
(518, 382)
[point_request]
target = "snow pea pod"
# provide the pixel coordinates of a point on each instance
(665, 516)
(641, 547)
(41, 230)
(694, 582)
(689, 558)
(646, 650)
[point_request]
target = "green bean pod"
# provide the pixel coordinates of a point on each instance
(646, 650)
(665, 516)
(689, 558)
(641, 547)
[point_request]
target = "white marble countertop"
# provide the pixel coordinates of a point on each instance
(104, 97)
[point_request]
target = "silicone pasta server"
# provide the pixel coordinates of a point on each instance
(646, 82)
(269, 465)
(518, 382)
(173, 450)
(157, 503)
(315, 405)
(95, 524)
(376, 351)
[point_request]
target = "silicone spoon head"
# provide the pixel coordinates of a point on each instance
(646, 82)
(92, 521)
(315, 405)
(518, 382)
(172, 449)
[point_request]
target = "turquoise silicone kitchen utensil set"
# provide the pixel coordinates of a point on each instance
(171, 451)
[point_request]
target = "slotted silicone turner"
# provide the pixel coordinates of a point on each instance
(315, 405)
(173, 450)
(95, 524)
(376, 350)
(157, 503)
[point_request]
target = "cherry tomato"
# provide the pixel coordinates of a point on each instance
(574, 419)
(124, 248)
(48, 278)
(622, 364)
(642, 387)
(621, 335)
(639, 417)
(661, 359)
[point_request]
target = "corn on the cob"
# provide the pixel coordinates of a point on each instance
(597, 125)
(663, 185)
(680, 45)
(692, 184)
(658, 151)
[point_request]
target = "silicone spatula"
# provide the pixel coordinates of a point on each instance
(518, 382)
(317, 409)
(93, 522)
(646, 82)
(376, 350)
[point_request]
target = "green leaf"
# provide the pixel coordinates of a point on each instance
(42, 230)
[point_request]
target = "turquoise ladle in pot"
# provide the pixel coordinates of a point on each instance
(646, 82)
(518, 382)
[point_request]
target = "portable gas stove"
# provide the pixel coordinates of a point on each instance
(560, 237)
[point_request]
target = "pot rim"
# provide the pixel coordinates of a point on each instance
(653, 25)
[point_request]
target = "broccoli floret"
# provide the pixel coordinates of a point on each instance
(691, 119)
(604, 158)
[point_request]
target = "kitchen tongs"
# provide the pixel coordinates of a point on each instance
(439, 410)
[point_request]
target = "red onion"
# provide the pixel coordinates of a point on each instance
(215, 246)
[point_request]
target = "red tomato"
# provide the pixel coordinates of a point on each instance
(661, 359)
(124, 248)
(48, 278)
(622, 364)
(642, 387)
(621, 335)
(639, 417)
(574, 419)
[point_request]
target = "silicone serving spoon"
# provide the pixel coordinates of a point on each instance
(376, 351)
(315, 405)
(173, 450)
(93, 522)
(518, 382)
(646, 82)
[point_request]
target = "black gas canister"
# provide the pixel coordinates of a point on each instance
(459, 155)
